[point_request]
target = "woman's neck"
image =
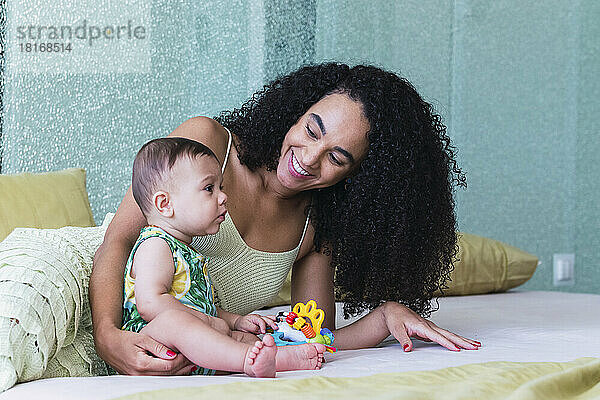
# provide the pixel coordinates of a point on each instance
(259, 181)
(272, 187)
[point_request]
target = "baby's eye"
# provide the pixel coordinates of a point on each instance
(209, 188)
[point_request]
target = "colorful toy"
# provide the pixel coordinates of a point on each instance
(301, 326)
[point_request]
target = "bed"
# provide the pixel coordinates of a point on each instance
(535, 345)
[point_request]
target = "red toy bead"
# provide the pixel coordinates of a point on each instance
(291, 318)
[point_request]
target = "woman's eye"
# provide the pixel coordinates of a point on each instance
(310, 133)
(334, 159)
(209, 188)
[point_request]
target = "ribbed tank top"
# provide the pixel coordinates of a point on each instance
(244, 279)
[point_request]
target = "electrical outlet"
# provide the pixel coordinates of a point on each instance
(564, 269)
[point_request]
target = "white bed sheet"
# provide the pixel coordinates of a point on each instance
(522, 326)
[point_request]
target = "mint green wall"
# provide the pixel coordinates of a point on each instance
(514, 117)
(413, 38)
(515, 81)
(517, 84)
(587, 148)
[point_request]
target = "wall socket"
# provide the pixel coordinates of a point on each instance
(564, 269)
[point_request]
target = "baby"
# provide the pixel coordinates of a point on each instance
(168, 293)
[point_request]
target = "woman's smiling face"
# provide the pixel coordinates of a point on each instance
(326, 144)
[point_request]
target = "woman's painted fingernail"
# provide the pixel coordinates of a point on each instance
(406, 346)
(194, 368)
(170, 353)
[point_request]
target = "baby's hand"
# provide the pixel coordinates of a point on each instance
(255, 323)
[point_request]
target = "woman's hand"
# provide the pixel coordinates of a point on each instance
(403, 323)
(138, 354)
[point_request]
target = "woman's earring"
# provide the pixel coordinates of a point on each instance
(348, 182)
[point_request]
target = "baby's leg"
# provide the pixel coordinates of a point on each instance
(244, 337)
(217, 324)
(290, 358)
(300, 356)
(209, 348)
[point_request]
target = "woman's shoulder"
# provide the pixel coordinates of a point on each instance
(307, 245)
(206, 131)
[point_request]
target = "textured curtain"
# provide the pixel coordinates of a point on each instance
(2, 63)
(199, 57)
(95, 109)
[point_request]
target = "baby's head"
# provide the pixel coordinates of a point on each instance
(177, 185)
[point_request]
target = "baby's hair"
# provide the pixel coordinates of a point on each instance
(154, 161)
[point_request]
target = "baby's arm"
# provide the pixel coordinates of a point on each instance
(252, 323)
(153, 272)
(228, 317)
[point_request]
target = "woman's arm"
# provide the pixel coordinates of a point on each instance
(312, 278)
(106, 281)
(127, 351)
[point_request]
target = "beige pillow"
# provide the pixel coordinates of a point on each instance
(484, 266)
(488, 266)
(44, 200)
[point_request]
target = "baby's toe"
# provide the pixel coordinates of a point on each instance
(268, 340)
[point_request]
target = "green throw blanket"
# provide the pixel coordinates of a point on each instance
(45, 319)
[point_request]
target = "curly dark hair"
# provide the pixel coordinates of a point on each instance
(392, 230)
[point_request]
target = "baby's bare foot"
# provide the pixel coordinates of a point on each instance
(260, 359)
(300, 356)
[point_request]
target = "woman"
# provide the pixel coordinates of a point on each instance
(356, 152)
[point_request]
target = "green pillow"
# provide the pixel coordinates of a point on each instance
(483, 266)
(44, 200)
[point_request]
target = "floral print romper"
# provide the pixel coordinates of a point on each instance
(191, 282)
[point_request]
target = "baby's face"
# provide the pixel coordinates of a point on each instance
(197, 200)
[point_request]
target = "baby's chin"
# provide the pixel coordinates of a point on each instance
(210, 230)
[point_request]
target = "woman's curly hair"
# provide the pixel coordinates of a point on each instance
(392, 229)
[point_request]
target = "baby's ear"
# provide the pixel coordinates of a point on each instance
(162, 203)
